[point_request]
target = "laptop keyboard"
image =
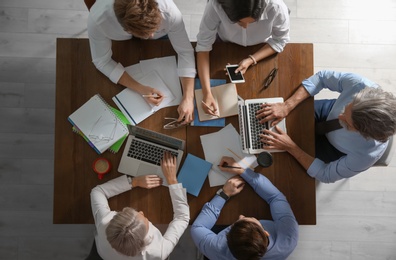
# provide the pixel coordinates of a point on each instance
(255, 127)
(147, 152)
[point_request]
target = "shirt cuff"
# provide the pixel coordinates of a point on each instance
(187, 72)
(175, 186)
(315, 167)
(116, 74)
(218, 202)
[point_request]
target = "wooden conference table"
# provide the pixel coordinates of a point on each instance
(77, 80)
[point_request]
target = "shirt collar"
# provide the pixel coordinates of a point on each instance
(264, 15)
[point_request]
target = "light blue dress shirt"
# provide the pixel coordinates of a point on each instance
(361, 153)
(283, 229)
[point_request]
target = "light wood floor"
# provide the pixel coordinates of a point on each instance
(356, 218)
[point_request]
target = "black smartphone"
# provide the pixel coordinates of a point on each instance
(234, 77)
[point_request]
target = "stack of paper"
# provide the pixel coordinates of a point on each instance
(98, 124)
(225, 142)
(158, 73)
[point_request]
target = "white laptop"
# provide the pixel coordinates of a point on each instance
(144, 150)
(249, 126)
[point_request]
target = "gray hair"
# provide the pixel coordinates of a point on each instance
(126, 233)
(374, 113)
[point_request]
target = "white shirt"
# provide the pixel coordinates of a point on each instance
(272, 27)
(103, 27)
(161, 245)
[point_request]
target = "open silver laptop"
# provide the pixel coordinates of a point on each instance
(144, 150)
(249, 126)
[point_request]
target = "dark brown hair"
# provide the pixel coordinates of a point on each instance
(141, 18)
(247, 240)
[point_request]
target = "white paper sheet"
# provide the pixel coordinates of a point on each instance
(135, 107)
(225, 142)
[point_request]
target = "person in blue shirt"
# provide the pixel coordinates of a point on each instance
(248, 237)
(366, 115)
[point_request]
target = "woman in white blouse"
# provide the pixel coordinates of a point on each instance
(244, 22)
(128, 234)
(120, 20)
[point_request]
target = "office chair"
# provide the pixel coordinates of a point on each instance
(387, 156)
(89, 3)
(93, 254)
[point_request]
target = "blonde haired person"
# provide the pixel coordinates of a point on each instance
(128, 234)
(121, 20)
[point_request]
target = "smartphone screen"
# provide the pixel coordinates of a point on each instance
(234, 77)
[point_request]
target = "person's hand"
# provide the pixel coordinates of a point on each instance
(168, 166)
(233, 186)
(186, 111)
(146, 181)
(244, 65)
(278, 141)
(152, 95)
(228, 164)
(209, 105)
(275, 112)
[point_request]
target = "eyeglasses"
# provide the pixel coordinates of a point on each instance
(102, 131)
(268, 80)
(173, 123)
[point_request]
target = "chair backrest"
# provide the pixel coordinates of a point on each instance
(388, 154)
(89, 3)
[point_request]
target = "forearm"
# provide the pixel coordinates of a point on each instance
(188, 87)
(127, 81)
(299, 95)
(263, 53)
(204, 71)
(302, 157)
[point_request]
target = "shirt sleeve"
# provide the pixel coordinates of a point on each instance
(345, 167)
(335, 81)
(204, 238)
(182, 45)
(101, 193)
(181, 217)
(278, 203)
(280, 29)
(208, 28)
(101, 53)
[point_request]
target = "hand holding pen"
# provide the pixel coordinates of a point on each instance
(228, 164)
(209, 106)
(153, 96)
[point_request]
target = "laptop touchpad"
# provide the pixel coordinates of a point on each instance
(146, 169)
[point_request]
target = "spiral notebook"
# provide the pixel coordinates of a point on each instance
(99, 124)
(117, 145)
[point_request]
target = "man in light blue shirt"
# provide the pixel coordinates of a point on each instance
(367, 120)
(247, 238)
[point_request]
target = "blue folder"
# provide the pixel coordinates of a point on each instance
(193, 174)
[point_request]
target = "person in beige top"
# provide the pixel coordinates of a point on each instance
(128, 234)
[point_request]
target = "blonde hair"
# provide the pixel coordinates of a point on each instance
(126, 233)
(141, 18)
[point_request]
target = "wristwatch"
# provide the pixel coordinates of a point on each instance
(221, 193)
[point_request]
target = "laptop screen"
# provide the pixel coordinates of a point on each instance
(156, 137)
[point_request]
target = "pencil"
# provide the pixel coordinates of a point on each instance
(210, 109)
(242, 160)
(155, 95)
(229, 166)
